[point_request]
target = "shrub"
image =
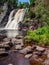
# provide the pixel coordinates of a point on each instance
(31, 14)
(26, 20)
(41, 35)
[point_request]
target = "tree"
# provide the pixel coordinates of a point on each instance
(20, 5)
(10, 3)
(32, 2)
(23, 5)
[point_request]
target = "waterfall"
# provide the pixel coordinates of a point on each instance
(13, 22)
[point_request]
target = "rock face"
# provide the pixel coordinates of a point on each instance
(3, 12)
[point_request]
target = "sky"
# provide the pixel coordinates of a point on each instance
(23, 1)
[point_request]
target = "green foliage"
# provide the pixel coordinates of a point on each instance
(31, 14)
(32, 2)
(42, 13)
(38, 17)
(26, 20)
(23, 5)
(41, 35)
(20, 5)
(10, 2)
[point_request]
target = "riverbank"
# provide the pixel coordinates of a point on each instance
(29, 53)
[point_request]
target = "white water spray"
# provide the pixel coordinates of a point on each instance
(12, 25)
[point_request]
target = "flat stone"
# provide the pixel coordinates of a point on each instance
(37, 53)
(28, 56)
(6, 40)
(19, 37)
(38, 48)
(26, 50)
(18, 47)
(2, 49)
(34, 56)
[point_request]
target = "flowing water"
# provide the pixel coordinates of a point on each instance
(13, 22)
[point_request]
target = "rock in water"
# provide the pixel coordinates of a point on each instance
(3, 53)
(40, 49)
(10, 64)
(28, 56)
(26, 50)
(10, 43)
(18, 47)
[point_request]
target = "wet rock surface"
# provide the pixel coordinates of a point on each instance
(26, 50)
(4, 11)
(40, 49)
(18, 47)
(3, 54)
(18, 52)
(28, 56)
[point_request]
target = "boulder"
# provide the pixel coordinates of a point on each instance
(37, 53)
(10, 44)
(36, 61)
(48, 56)
(33, 47)
(41, 49)
(7, 47)
(3, 53)
(5, 43)
(1, 45)
(19, 37)
(31, 28)
(28, 56)
(18, 47)
(2, 49)
(6, 39)
(26, 50)
(19, 42)
(10, 64)
(46, 62)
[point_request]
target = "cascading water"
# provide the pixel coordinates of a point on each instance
(12, 25)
